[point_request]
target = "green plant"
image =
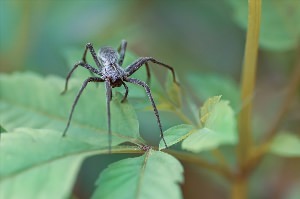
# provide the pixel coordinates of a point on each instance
(35, 162)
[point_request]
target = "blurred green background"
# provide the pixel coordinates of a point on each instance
(195, 37)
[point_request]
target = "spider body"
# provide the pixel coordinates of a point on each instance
(114, 73)
(109, 70)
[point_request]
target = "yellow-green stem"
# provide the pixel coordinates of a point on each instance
(248, 80)
(292, 88)
(239, 187)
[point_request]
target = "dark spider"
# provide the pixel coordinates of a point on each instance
(109, 62)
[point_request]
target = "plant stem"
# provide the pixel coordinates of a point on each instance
(292, 87)
(239, 188)
(248, 80)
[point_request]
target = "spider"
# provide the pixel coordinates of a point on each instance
(109, 71)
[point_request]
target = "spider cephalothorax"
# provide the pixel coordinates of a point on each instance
(109, 70)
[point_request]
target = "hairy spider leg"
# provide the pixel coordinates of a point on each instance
(126, 92)
(85, 65)
(108, 99)
(90, 79)
(148, 73)
(121, 51)
(142, 60)
(90, 47)
(148, 91)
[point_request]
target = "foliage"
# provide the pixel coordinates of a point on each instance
(38, 101)
(218, 126)
(162, 171)
(39, 106)
(30, 153)
(36, 162)
(286, 144)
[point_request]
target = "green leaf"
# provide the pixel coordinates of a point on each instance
(175, 134)
(286, 144)
(40, 163)
(219, 127)
(205, 139)
(29, 100)
(208, 107)
(280, 27)
(153, 175)
(207, 85)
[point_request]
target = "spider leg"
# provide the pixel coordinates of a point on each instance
(84, 58)
(67, 79)
(108, 99)
(126, 92)
(148, 73)
(90, 79)
(90, 47)
(147, 88)
(121, 51)
(138, 63)
(85, 65)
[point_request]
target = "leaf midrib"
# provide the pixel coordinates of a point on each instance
(141, 176)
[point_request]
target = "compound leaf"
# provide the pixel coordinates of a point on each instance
(152, 175)
(29, 100)
(286, 144)
(219, 127)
